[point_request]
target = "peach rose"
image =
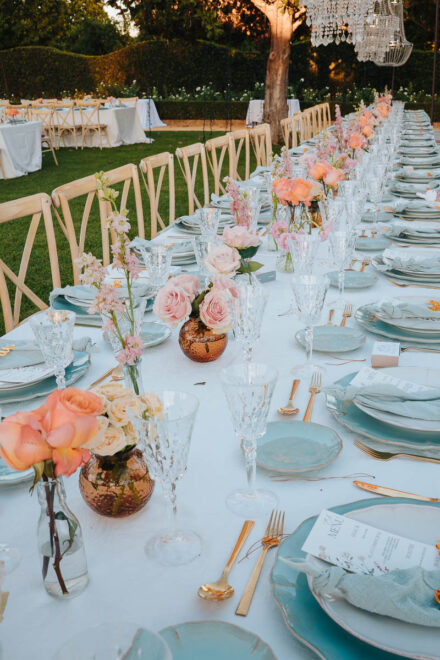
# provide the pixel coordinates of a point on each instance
(189, 283)
(318, 170)
(383, 109)
(222, 260)
(356, 141)
(172, 305)
(240, 237)
(23, 441)
(69, 417)
(114, 440)
(68, 460)
(367, 131)
(333, 177)
(214, 312)
(294, 191)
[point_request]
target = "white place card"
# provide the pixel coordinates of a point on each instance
(361, 548)
(385, 354)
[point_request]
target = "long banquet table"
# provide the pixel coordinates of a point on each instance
(123, 127)
(124, 584)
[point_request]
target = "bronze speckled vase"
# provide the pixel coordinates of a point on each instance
(116, 486)
(199, 343)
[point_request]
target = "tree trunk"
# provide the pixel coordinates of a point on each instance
(277, 72)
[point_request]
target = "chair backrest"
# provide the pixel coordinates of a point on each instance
(326, 118)
(189, 170)
(290, 128)
(161, 163)
(129, 176)
(240, 143)
(64, 117)
(307, 124)
(262, 144)
(45, 115)
(216, 151)
(67, 198)
(129, 101)
(36, 207)
(90, 113)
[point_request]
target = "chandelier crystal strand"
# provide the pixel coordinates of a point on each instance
(381, 27)
(399, 49)
(337, 20)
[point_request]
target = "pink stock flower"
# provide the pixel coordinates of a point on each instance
(278, 228)
(93, 270)
(132, 263)
(239, 205)
(189, 283)
(283, 240)
(240, 237)
(214, 312)
(172, 305)
(222, 260)
(119, 223)
(106, 300)
(132, 351)
(356, 141)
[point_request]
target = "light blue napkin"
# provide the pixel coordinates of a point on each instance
(401, 309)
(407, 595)
(140, 290)
(390, 398)
(401, 230)
(417, 264)
(27, 353)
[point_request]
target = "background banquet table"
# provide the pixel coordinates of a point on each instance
(255, 110)
(20, 147)
(124, 584)
(148, 115)
(123, 127)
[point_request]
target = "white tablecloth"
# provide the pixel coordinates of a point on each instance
(148, 115)
(255, 110)
(124, 584)
(20, 148)
(123, 127)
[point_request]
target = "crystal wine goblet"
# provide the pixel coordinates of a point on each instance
(53, 331)
(157, 260)
(342, 243)
(209, 221)
(309, 292)
(247, 313)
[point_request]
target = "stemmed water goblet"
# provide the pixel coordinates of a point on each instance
(53, 331)
(157, 260)
(342, 244)
(309, 292)
(248, 389)
(202, 247)
(252, 196)
(375, 186)
(209, 219)
(247, 313)
(165, 440)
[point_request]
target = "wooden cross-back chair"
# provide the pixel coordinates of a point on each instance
(190, 170)
(262, 144)
(163, 164)
(307, 125)
(290, 128)
(91, 123)
(64, 123)
(132, 101)
(36, 207)
(216, 151)
(326, 117)
(48, 138)
(240, 143)
(127, 175)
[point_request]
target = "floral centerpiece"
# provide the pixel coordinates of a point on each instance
(122, 317)
(115, 481)
(55, 440)
(12, 113)
(205, 310)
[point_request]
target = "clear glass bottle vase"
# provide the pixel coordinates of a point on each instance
(60, 542)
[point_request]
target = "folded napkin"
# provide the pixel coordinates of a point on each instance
(27, 353)
(399, 205)
(140, 243)
(409, 261)
(418, 403)
(86, 293)
(401, 309)
(406, 594)
(402, 228)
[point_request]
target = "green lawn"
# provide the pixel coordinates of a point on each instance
(75, 164)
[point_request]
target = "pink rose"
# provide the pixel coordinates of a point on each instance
(283, 240)
(172, 305)
(226, 284)
(214, 312)
(189, 283)
(318, 170)
(279, 228)
(222, 260)
(240, 237)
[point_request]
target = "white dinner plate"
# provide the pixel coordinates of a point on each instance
(417, 324)
(419, 375)
(420, 523)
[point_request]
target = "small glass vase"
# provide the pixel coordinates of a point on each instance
(199, 343)
(60, 543)
(284, 263)
(116, 486)
(133, 376)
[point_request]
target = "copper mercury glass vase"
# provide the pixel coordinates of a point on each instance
(199, 343)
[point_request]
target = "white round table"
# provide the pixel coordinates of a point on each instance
(255, 111)
(20, 148)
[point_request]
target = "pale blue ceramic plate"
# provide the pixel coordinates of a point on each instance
(291, 447)
(359, 422)
(367, 319)
(303, 615)
(9, 477)
(214, 640)
(354, 279)
(382, 216)
(152, 332)
(375, 244)
(81, 314)
(79, 366)
(333, 339)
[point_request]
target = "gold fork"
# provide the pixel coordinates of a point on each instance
(330, 317)
(272, 538)
(314, 389)
(5, 350)
(422, 286)
(366, 262)
(348, 311)
(386, 455)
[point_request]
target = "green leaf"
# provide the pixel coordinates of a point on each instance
(60, 515)
(254, 265)
(38, 473)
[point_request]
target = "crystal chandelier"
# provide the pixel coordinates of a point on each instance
(337, 20)
(399, 49)
(381, 28)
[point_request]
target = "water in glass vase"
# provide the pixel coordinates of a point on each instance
(74, 571)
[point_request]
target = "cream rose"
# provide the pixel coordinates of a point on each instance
(117, 410)
(114, 440)
(98, 438)
(111, 391)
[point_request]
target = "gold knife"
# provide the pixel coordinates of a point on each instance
(391, 492)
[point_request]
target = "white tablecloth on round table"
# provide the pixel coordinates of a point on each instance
(148, 115)
(255, 110)
(124, 584)
(20, 148)
(123, 127)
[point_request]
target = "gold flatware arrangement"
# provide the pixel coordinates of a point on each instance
(348, 311)
(403, 349)
(422, 286)
(3, 600)
(115, 372)
(221, 590)
(271, 539)
(279, 477)
(387, 455)
(330, 317)
(392, 492)
(353, 261)
(5, 350)
(289, 408)
(314, 389)
(366, 262)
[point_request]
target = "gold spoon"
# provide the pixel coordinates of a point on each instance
(290, 409)
(221, 590)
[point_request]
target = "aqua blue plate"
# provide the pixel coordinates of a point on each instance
(214, 640)
(367, 320)
(354, 279)
(79, 366)
(359, 422)
(82, 318)
(10, 477)
(291, 447)
(303, 615)
(382, 216)
(369, 244)
(333, 339)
